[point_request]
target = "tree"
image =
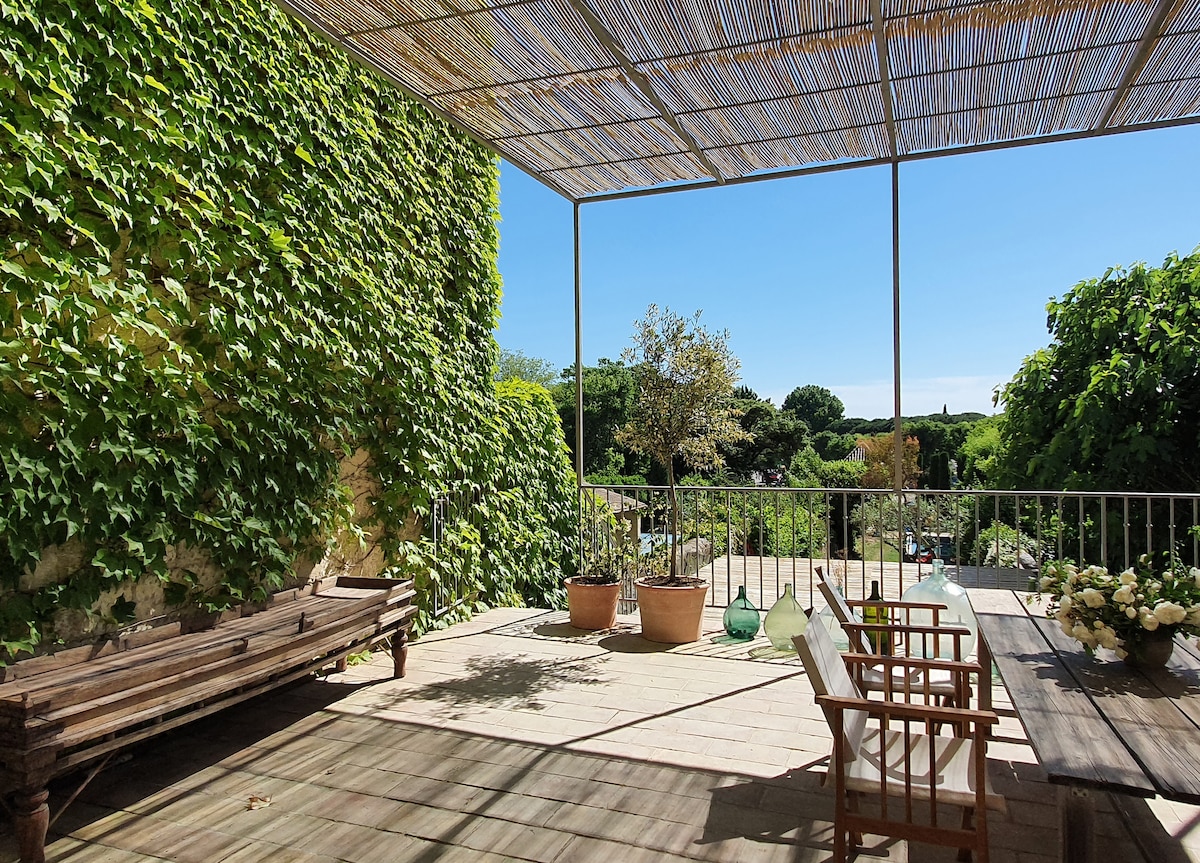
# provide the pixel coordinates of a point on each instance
(685, 377)
(880, 458)
(514, 364)
(1114, 402)
(816, 406)
(609, 392)
(979, 453)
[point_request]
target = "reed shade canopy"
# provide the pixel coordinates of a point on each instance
(597, 96)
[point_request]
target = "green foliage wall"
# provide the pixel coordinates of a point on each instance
(531, 508)
(233, 261)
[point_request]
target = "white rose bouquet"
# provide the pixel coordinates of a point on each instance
(1118, 611)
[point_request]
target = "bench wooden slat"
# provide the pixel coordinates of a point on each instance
(131, 668)
(347, 641)
(269, 648)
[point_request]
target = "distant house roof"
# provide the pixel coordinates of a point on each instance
(616, 501)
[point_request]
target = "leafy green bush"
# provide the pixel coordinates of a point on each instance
(1000, 542)
(530, 506)
(248, 296)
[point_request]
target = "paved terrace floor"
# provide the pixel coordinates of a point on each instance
(516, 738)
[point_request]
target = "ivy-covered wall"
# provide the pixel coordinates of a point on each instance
(245, 325)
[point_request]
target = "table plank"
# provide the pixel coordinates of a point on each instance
(1149, 721)
(1073, 742)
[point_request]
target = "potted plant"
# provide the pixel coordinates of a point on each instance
(1135, 613)
(607, 559)
(685, 377)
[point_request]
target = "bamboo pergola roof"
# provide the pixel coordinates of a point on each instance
(597, 96)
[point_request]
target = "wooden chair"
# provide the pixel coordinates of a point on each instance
(901, 757)
(904, 639)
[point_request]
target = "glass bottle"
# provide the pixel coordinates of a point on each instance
(785, 619)
(834, 626)
(881, 642)
(937, 588)
(741, 617)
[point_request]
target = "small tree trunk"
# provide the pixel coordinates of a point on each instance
(673, 498)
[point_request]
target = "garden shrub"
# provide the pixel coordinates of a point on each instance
(245, 325)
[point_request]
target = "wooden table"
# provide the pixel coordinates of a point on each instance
(1094, 723)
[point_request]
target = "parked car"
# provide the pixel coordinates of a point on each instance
(775, 476)
(941, 547)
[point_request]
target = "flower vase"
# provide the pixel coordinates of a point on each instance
(785, 620)
(741, 618)
(1150, 649)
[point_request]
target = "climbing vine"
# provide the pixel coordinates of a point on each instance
(231, 260)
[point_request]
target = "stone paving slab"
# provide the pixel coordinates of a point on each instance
(512, 739)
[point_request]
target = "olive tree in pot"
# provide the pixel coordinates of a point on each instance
(685, 377)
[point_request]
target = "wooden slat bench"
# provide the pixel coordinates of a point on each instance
(64, 711)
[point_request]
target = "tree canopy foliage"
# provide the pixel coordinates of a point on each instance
(1114, 401)
(685, 376)
(517, 365)
(818, 407)
(609, 392)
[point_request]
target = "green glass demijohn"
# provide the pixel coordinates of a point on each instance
(741, 617)
(937, 588)
(785, 620)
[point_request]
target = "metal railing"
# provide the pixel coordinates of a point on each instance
(762, 538)
(455, 519)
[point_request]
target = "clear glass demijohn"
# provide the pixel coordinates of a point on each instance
(937, 588)
(785, 619)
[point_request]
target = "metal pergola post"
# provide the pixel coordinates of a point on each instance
(578, 357)
(898, 479)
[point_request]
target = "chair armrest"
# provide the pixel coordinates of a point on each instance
(897, 603)
(903, 638)
(907, 710)
(898, 628)
(914, 663)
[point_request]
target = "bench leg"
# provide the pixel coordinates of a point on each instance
(31, 819)
(399, 652)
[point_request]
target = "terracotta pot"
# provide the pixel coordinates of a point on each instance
(671, 615)
(592, 606)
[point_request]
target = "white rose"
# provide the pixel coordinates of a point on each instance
(1123, 595)
(1168, 613)
(1128, 577)
(1045, 582)
(1083, 635)
(1193, 616)
(1121, 653)
(1091, 597)
(1065, 603)
(1149, 622)
(1067, 589)
(1065, 625)
(1131, 612)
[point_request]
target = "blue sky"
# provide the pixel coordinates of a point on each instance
(799, 271)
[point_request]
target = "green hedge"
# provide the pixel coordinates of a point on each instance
(233, 262)
(531, 514)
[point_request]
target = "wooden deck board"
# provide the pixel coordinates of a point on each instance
(444, 766)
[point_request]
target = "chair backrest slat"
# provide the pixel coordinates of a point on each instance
(828, 676)
(837, 602)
